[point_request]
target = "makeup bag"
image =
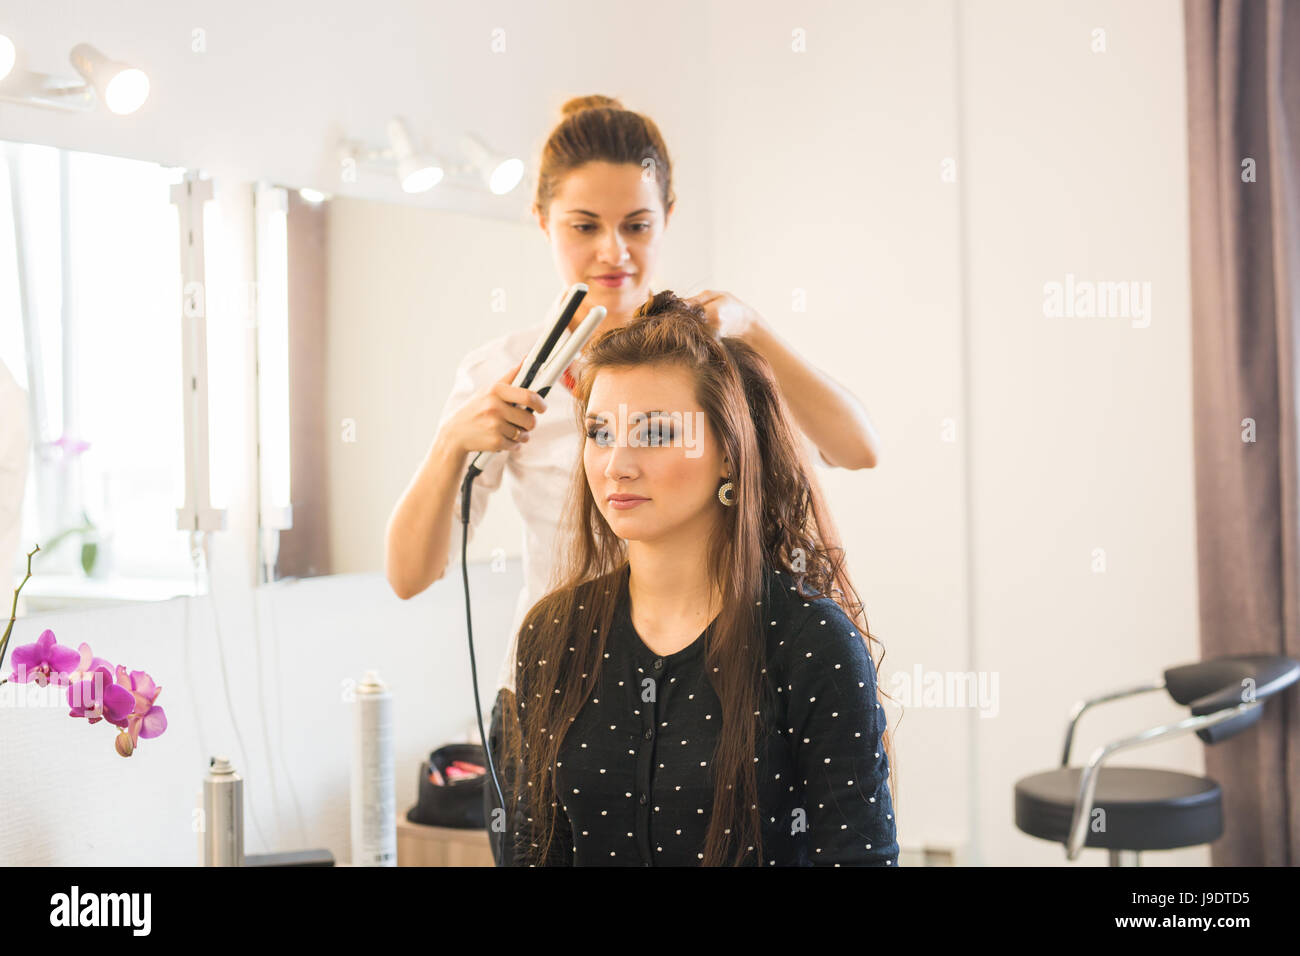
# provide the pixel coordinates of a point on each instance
(457, 803)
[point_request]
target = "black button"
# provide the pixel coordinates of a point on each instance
(649, 734)
(643, 799)
(646, 863)
(659, 663)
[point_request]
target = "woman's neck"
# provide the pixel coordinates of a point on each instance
(670, 591)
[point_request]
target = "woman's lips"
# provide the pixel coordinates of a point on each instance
(626, 503)
(612, 282)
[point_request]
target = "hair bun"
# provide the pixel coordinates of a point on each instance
(667, 302)
(594, 102)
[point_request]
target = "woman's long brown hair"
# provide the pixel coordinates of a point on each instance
(779, 520)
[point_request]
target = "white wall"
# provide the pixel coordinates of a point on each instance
(69, 799)
(1081, 428)
(827, 164)
(1071, 434)
(817, 171)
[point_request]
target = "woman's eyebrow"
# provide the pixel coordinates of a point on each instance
(656, 411)
(584, 212)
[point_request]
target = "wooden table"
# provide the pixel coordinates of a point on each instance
(421, 845)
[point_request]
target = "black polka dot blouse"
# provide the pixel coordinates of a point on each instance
(633, 778)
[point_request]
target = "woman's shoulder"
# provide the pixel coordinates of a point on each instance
(572, 598)
(793, 598)
(811, 629)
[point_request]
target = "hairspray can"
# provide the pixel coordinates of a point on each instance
(374, 801)
(223, 815)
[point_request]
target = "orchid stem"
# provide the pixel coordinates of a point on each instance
(13, 613)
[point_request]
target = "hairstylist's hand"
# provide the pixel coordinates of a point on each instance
(489, 421)
(726, 314)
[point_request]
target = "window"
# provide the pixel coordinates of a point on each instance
(89, 327)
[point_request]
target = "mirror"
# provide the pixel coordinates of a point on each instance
(91, 419)
(824, 233)
(383, 301)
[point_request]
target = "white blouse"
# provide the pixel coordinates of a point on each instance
(540, 471)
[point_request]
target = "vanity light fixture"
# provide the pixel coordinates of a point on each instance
(119, 86)
(500, 173)
(122, 88)
(417, 172)
(8, 56)
(275, 507)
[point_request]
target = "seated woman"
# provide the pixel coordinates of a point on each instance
(688, 694)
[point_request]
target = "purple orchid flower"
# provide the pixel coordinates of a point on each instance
(146, 719)
(92, 692)
(97, 697)
(72, 447)
(45, 661)
(96, 689)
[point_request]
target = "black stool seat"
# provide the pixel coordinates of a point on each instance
(1145, 809)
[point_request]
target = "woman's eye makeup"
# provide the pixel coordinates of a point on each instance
(587, 227)
(649, 436)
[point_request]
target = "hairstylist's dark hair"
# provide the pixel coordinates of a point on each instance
(778, 520)
(599, 128)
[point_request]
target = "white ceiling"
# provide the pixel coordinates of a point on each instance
(279, 83)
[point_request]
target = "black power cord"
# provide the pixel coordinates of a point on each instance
(541, 355)
(465, 490)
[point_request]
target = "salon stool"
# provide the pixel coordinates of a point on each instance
(1126, 810)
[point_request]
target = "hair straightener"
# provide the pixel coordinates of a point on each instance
(549, 357)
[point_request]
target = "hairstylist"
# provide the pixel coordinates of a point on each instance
(604, 197)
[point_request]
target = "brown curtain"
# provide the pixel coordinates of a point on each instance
(1243, 106)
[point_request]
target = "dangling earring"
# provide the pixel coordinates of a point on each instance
(727, 493)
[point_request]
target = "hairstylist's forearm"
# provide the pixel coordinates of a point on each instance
(419, 529)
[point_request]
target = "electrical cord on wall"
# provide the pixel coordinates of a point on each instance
(225, 679)
(279, 721)
(261, 706)
(196, 554)
(188, 638)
